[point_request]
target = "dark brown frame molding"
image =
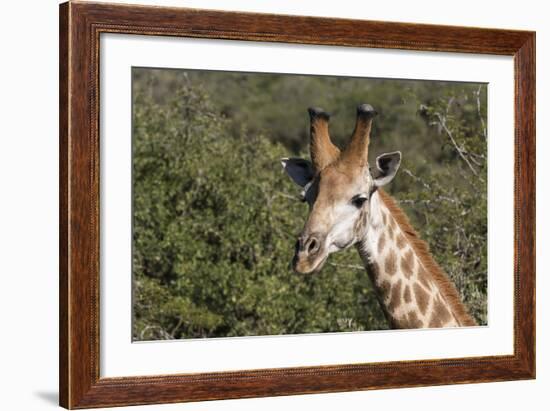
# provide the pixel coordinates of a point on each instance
(80, 27)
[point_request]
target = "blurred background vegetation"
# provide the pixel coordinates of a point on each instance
(215, 217)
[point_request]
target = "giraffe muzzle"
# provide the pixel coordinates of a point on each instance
(310, 253)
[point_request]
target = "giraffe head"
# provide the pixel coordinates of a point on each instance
(337, 185)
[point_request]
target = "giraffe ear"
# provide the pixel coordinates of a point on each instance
(387, 165)
(298, 169)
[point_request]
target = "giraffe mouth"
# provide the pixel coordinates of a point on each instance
(345, 245)
(306, 266)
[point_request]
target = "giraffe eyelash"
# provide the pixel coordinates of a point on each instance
(359, 200)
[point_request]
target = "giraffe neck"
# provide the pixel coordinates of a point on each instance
(411, 288)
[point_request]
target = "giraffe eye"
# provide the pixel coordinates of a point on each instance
(359, 200)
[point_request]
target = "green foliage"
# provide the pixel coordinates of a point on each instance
(215, 218)
(449, 202)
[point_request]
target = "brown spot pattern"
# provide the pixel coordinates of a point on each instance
(440, 312)
(435, 323)
(401, 322)
(390, 232)
(422, 298)
(384, 218)
(435, 275)
(360, 224)
(375, 268)
(385, 288)
(400, 241)
(414, 321)
(395, 298)
(423, 278)
(407, 294)
(407, 264)
(381, 243)
(390, 265)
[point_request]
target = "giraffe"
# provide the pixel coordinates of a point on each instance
(348, 207)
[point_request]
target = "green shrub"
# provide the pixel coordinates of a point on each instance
(215, 218)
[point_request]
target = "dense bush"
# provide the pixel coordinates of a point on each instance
(215, 218)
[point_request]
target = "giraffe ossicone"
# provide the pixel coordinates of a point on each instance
(347, 207)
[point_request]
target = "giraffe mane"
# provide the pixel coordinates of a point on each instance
(422, 250)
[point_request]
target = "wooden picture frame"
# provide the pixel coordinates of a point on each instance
(80, 27)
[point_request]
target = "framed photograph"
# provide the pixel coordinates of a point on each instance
(258, 205)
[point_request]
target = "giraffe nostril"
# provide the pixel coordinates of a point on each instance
(312, 245)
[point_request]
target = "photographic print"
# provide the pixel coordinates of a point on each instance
(299, 186)
(273, 204)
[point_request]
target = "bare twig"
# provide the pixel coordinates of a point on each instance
(161, 330)
(449, 104)
(438, 199)
(473, 160)
(176, 328)
(459, 150)
(479, 112)
(416, 178)
(285, 195)
(353, 266)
